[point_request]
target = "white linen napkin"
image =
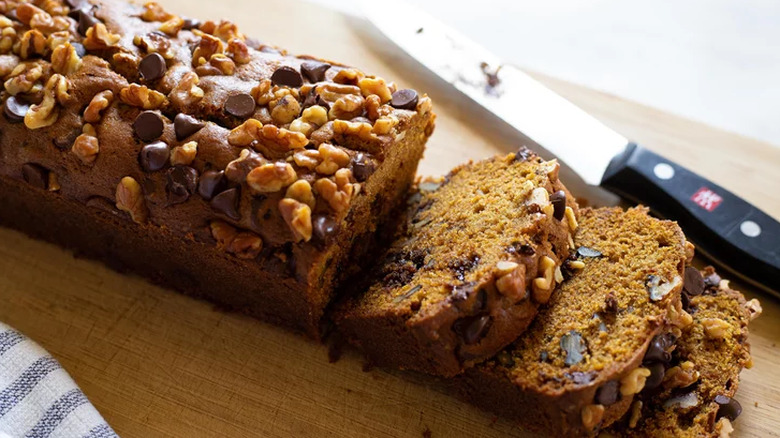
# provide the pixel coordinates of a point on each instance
(38, 398)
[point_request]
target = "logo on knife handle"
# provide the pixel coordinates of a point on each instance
(707, 199)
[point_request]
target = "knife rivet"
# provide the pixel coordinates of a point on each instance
(663, 171)
(750, 229)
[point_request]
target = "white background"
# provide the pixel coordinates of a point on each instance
(715, 61)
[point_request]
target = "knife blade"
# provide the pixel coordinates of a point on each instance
(728, 229)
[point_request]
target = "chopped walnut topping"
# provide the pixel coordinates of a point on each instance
(7, 39)
(25, 12)
(333, 158)
(57, 39)
(98, 38)
(681, 376)
(373, 103)
(262, 92)
(100, 102)
(724, 427)
(65, 60)
(33, 43)
(592, 416)
(282, 140)
(130, 198)
(375, 86)
(221, 63)
(46, 113)
(187, 92)
(571, 218)
(225, 30)
(312, 118)
(542, 287)
(360, 130)
(244, 244)
(678, 317)
(246, 133)
(715, 328)
(338, 191)
(154, 12)
(285, 110)
(634, 381)
(307, 158)
(223, 233)
(23, 78)
(271, 177)
(349, 76)
(238, 169)
(301, 191)
(298, 217)
(185, 154)
(142, 96)
(208, 47)
(330, 92)
(86, 147)
(384, 125)
(154, 43)
(323, 134)
(636, 413)
(347, 107)
(510, 280)
(54, 7)
(754, 308)
(238, 50)
(172, 26)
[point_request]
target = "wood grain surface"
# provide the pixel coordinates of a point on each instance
(156, 363)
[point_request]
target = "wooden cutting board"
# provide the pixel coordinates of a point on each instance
(156, 363)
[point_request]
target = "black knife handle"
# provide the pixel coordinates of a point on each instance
(722, 225)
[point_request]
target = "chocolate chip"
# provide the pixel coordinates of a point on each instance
(152, 67)
(505, 359)
(314, 70)
(404, 99)
(191, 23)
(240, 105)
(65, 141)
(15, 110)
(313, 98)
(227, 203)
(287, 76)
(584, 251)
(182, 181)
(80, 49)
(712, 280)
(558, 201)
(148, 126)
(574, 347)
(607, 394)
(658, 350)
(472, 329)
(728, 407)
(693, 282)
(84, 17)
(35, 175)
(154, 156)
(362, 167)
(186, 126)
(523, 154)
(657, 372)
(212, 182)
(324, 227)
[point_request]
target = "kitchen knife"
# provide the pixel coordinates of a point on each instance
(723, 226)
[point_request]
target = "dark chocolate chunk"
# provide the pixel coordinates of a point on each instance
(190, 23)
(227, 203)
(608, 393)
(658, 351)
(324, 227)
(712, 280)
(80, 49)
(314, 70)
(574, 346)
(182, 182)
(15, 110)
(85, 18)
(148, 126)
(505, 359)
(186, 126)
(154, 156)
(693, 283)
(523, 154)
(611, 303)
(404, 99)
(287, 77)
(728, 407)
(240, 105)
(362, 167)
(35, 175)
(212, 182)
(152, 67)
(584, 251)
(472, 329)
(558, 201)
(657, 372)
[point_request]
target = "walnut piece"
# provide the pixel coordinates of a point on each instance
(592, 416)
(301, 191)
(298, 218)
(285, 110)
(33, 43)
(154, 12)
(237, 170)
(46, 113)
(99, 102)
(349, 76)
(172, 26)
(154, 42)
(99, 38)
(542, 287)
(282, 140)
(271, 177)
(333, 159)
(223, 64)
(86, 148)
(246, 133)
(23, 78)
(185, 154)
(754, 308)
(338, 192)
(238, 50)
(130, 198)
(187, 92)
(715, 328)
(142, 96)
(681, 376)
(307, 158)
(375, 86)
(347, 107)
(65, 60)
(360, 130)
(510, 280)
(208, 47)
(634, 381)
(244, 244)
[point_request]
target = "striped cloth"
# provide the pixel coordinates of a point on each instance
(38, 398)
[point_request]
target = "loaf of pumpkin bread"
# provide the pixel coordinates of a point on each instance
(191, 154)
(581, 362)
(480, 252)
